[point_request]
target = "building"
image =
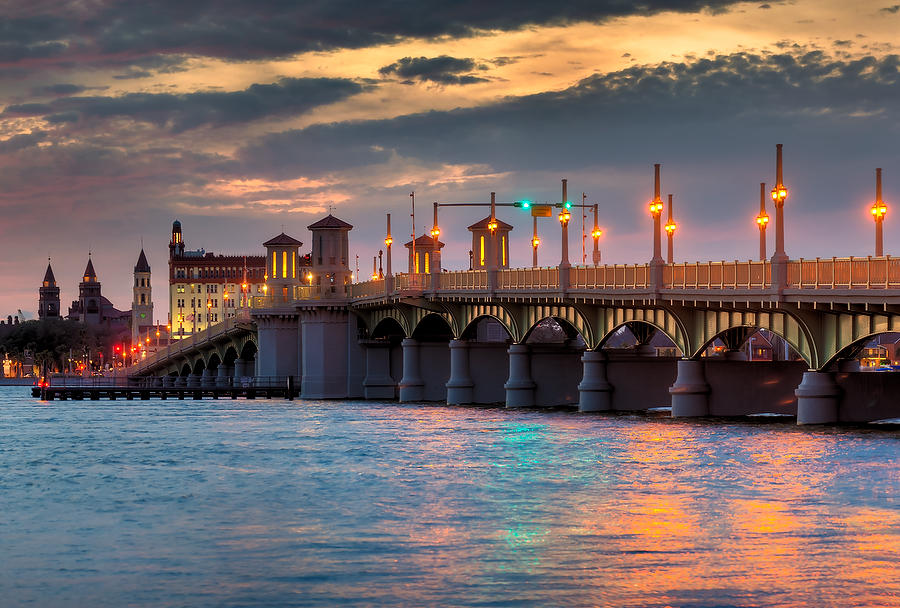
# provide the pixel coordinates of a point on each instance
(481, 243)
(427, 254)
(142, 304)
(206, 288)
(48, 296)
(91, 308)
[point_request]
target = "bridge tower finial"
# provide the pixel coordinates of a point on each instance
(879, 209)
(656, 207)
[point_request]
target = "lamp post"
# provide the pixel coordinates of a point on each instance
(879, 209)
(762, 220)
(656, 206)
(596, 233)
(564, 217)
(779, 195)
(670, 234)
(535, 242)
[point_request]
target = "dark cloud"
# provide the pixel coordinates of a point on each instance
(181, 112)
(238, 29)
(60, 89)
(24, 140)
(443, 70)
(606, 116)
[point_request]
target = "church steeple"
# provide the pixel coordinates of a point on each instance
(89, 275)
(48, 296)
(142, 306)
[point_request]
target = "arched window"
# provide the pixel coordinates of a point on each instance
(481, 257)
(284, 264)
(503, 249)
(427, 263)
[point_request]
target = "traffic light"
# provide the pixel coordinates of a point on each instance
(565, 205)
(522, 204)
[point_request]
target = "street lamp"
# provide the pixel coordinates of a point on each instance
(779, 195)
(762, 220)
(670, 234)
(879, 209)
(656, 207)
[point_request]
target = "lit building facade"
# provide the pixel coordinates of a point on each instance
(206, 288)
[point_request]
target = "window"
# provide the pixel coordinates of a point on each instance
(503, 249)
(293, 264)
(274, 264)
(284, 264)
(143, 299)
(482, 252)
(179, 289)
(417, 263)
(427, 264)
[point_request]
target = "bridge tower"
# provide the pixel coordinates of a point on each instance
(282, 266)
(142, 304)
(330, 273)
(48, 296)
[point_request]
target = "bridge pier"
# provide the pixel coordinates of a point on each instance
(378, 383)
(690, 393)
(412, 387)
(818, 397)
(222, 375)
(279, 351)
(519, 387)
(460, 385)
(595, 391)
(193, 380)
(324, 344)
(206, 378)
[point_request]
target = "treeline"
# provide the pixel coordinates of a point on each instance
(50, 342)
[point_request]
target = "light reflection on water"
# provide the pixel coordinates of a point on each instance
(314, 504)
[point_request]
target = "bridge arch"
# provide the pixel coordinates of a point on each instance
(571, 331)
(711, 324)
(661, 319)
(470, 314)
(393, 313)
(852, 350)
(388, 327)
(677, 337)
(470, 330)
(433, 327)
(185, 369)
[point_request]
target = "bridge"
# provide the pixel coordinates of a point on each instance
(541, 336)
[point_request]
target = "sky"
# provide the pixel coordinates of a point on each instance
(243, 119)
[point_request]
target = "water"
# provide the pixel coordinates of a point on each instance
(271, 503)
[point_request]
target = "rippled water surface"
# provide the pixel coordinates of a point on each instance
(272, 503)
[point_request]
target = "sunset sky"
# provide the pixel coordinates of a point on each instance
(238, 118)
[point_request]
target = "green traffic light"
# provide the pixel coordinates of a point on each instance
(568, 205)
(522, 204)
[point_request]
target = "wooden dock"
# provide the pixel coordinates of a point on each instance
(258, 388)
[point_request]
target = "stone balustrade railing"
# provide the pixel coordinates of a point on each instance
(819, 273)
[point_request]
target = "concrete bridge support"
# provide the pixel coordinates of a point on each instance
(324, 366)
(639, 382)
(378, 383)
(556, 370)
(412, 387)
(690, 393)
(224, 374)
(278, 345)
(818, 397)
(206, 378)
(460, 385)
(595, 391)
(519, 387)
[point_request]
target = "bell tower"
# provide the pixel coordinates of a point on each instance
(48, 299)
(142, 305)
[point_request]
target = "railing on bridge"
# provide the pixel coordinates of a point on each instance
(189, 342)
(619, 276)
(464, 279)
(837, 273)
(845, 273)
(718, 275)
